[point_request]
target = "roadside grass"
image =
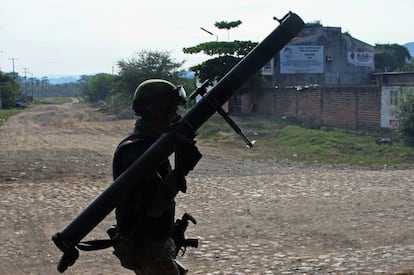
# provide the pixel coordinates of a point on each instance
(284, 139)
(5, 114)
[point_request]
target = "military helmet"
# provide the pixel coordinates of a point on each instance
(157, 93)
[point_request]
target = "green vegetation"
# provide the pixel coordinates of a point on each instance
(115, 92)
(225, 54)
(6, 113)
(288, 140)
(405, 115)
(391, 57)
(9, 90)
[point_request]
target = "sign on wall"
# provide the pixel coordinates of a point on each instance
(389, 99)
(301, 60)
(363, 59)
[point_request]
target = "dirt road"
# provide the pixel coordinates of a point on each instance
(253, 217)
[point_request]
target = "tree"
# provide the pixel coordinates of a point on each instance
(228, 54)
(9, 90)
(390, 57)
(405, 115)
(117, 90)
(222, 48)
(225, 54)
(83, 83)
(147, 64)
(99, 87)
(227, 26)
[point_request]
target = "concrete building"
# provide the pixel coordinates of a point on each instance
(325, 77)
(393, 85)
(322, 77)
(321, 56)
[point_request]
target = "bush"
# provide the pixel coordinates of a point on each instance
(405, 116)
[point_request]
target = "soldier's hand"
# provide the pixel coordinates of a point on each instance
(187, 156)
(177, 181)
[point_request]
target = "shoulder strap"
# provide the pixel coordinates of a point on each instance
(92, 245)
(95, 244)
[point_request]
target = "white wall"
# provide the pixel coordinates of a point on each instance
(389, 99)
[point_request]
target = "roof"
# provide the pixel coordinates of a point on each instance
(317, 34)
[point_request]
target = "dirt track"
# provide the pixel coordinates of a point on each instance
(253, 217)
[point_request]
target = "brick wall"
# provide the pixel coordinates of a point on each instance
(345, 107)
(309, 106)
(369, 109)
(339, 108)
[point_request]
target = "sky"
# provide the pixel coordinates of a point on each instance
(76, 37)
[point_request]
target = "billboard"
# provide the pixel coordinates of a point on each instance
(363, 59)
(301, 60)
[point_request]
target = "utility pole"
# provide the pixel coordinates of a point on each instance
(25, 70)
(112, 79)
(1, 100)
(0, 67)
(12, 60)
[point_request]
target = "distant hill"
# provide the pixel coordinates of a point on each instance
(410, 47)
(63, 79)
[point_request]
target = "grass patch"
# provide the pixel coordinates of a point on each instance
(5, 114)
(333, 146)
(288, 140)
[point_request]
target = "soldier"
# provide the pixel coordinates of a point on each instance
(145, 217)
